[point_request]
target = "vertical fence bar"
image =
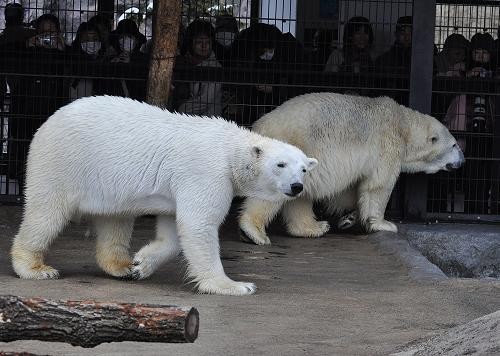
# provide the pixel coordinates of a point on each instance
(424, 17)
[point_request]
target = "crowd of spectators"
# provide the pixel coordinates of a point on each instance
(46, 72)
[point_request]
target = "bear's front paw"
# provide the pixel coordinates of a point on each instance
(142, 267)
(311, 229)
(37, 272)
(225, 286)
(382, 225)
(252, 235)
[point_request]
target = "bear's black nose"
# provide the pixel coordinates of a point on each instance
(296, 188)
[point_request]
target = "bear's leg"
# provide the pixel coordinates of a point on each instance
(300, 220)
(198, 227)
(113, 243)
(372, 204)
(255, 216)
(39, 228)
(163, 248)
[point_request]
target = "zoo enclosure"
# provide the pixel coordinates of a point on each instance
(309, 55)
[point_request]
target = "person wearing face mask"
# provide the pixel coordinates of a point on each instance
(36, 96)
(198, 97)
(127, 41)
(260, 47)
(104, 26)
(87, 51)
(226, 30)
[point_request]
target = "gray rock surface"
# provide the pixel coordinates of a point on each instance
(478, 337)
(459, 250)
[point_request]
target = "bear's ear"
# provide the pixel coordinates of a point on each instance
(256, 151)
(312, 163)
(433, 139)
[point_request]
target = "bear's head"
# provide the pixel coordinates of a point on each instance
(430, 147)
(278, 171)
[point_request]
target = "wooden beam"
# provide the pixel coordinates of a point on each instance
(166, 19)
(89, 323)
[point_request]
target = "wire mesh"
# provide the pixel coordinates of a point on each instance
(465, 99)
(239, 59)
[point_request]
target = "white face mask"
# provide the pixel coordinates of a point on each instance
(127, 43)
(91, 47)
(225, 39)
(267, 55)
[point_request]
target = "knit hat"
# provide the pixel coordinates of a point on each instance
(456, 40)
(482, 41)
(226, 23)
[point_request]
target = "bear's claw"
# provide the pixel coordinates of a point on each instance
(348, 220)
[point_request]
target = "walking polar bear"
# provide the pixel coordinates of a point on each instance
(362, 144)
(113, 159)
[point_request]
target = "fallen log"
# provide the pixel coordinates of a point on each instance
(88, 323)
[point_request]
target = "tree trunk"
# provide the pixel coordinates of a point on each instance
(88, 323)
(166, 18)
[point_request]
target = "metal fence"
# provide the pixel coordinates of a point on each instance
(465, 98)
(241, 59)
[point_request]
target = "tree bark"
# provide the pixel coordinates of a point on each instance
(166, 17)
(89, 323)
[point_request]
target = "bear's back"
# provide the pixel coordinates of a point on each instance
(117, 139)
(328, 118)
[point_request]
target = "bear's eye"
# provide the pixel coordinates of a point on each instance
(281, 165)
(304, 170)
(434, 139)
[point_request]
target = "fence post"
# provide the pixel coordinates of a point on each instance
(166, 18)
(422, 61)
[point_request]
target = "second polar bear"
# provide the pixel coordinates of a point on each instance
(362, 144)
(112, 159)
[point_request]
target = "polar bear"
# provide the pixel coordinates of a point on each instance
(362, 144)
(112, 159)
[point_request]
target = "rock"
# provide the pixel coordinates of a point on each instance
(478, 337)
(458, 250)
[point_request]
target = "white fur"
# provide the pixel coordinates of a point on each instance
(112, 159)
(362, 145)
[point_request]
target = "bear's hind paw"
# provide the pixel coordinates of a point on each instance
(348, 220)
(316, 229)
(39, 272)
(382, 225)
(256, 238)
(225, 286)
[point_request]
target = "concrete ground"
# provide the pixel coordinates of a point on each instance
(336, 295)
